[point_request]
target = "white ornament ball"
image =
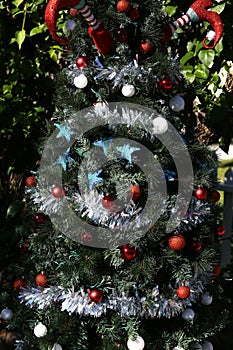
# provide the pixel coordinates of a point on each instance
(81, 81)
(178, 348)
(207, 346)
(210, 35)
(188, 314)
(160, 125)
(128, 90)
(40, 330)
(6, 314)
(137, 344)
(206, 299)
(176, 103)
(56, 346)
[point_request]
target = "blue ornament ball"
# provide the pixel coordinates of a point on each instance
(7, 314)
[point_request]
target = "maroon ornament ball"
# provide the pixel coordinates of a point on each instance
(122, 35)
(107, 202)
(57, 192)
(41, 280)
(201, 193)
(81, 62)
(183, 292)
(40, 218)
(215, 195)
(123, 6)
(176, 242)
(216, 270)
(220, 230)
(128, 252)
(19, 283)
(166, 84)
(31, 181)
(95, 295)
(134, 14)
(146, 47)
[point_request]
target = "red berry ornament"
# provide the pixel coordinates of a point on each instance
(215, 195)
(31, 181)
(57, 192)
(81, 62)
(95, 295)
(166, 84)
(134, 14)
(41, 280)
(176, 242)
(74, 12)
(146, 47)
(123, 6)
(135, 192)
(128, 252)
(87, 238)
(197, 246)
(220, 230)
(19, 283)
(201, 193)
(39, 218)
(183, 292)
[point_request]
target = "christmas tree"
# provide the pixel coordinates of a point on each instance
(122, 250)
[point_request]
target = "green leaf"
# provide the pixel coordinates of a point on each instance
(201, 71)
(171, 10)
(199, 46)
(190, 76)
(20, 37)
(186, 57)
(206, 57)
(35, 31)
(17, 3)
(219, 47)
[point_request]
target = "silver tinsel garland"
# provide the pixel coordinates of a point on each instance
(154, 305)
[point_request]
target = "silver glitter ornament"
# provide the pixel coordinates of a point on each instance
(7, 314)
(188, 314)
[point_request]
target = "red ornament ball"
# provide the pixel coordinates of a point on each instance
(123, 6)
(122, 35)
(31, 181)
(166, 84)
(74, 12)
(95, 295)
(40, 218)
(215, 195)
(146, 47)
(176, 242)
(183, 292)
(57, 192)
(135, 192)
(220, 230)
(41, 280)
(134, 14)
(201, 193)
(107, 202)
(81, 62)
(19, 283)
(128, 252)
